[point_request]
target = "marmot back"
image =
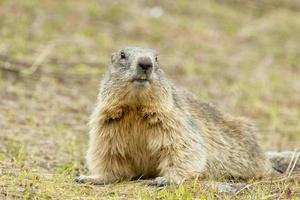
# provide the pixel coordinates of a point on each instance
(143, 126)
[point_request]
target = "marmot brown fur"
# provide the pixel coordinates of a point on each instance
(143, 126)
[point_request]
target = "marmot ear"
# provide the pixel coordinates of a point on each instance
(113, 57)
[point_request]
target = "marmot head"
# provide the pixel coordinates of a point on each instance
(135, 65)
(135, 77)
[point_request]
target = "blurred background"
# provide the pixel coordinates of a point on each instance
(242, 55)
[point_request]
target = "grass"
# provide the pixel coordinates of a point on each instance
(244, 56)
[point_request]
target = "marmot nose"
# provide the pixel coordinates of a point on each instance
(145, 64)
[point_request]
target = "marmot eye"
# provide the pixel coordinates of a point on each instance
(156, 58)
(122, 54)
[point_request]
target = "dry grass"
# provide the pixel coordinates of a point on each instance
(243, 56)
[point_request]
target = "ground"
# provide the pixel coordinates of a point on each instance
(243, 56)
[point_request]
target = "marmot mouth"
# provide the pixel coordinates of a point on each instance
(141, 81)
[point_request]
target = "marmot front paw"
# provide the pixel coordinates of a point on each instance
(162, 182)
(93, 180)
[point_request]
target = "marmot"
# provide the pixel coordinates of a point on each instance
(143, 126)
